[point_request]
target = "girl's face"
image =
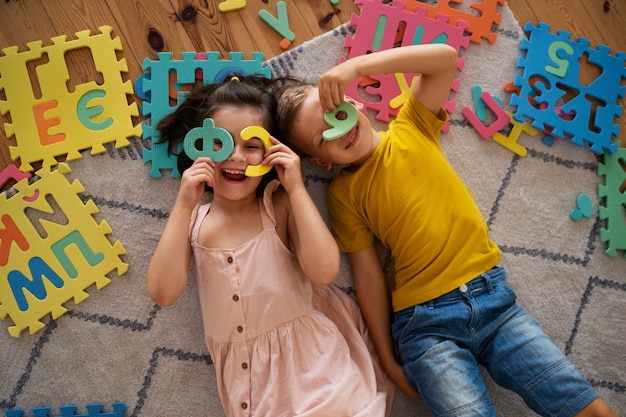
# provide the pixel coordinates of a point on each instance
(230, 180)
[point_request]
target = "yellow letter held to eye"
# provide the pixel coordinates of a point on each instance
(262, 134)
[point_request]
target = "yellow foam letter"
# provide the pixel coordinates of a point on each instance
(262, 134)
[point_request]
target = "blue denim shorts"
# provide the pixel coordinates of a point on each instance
(442, 342)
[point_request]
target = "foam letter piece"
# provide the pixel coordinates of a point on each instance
(9, 234)
(502, 118)
(482, 20)
(612, 212)
(557, 59)
(145, 96)
(405, 90)
(230, 5)
(280, 25)
(57, 263)
(187, 69)
(93, 410)
(510, 142)
(584, 207)
(69, 129)
(340, 127)
(44, 124)
(262, 134)
(479, 104)
(211, 137)
(377, 28)
(86, 113)
(175, 88)
(14, 173)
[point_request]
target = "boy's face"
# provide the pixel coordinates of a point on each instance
(352, 148)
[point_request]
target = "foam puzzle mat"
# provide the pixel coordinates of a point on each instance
(62, 122)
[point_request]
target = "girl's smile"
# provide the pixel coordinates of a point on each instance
(231, 181)
(235, 175)
(352, 137)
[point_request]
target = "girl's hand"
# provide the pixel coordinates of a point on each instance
(193, 181)
(332, 83)
(287, 164)
(399, 379)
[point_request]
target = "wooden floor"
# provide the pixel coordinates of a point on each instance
(148, 26)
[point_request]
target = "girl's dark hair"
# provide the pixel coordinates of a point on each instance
(254, 91)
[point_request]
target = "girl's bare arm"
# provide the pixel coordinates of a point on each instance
(314, 245)
(168, 271)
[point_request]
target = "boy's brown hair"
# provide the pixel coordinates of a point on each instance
(288, 105)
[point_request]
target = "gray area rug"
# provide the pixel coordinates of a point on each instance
(117, 346)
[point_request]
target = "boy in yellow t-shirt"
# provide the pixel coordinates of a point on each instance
(452, 308)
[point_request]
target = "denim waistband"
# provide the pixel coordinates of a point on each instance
(485, 282)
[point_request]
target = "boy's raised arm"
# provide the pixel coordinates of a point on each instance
(437, 64)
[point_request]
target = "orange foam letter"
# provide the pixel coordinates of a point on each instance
(44, 124)
(7, 236)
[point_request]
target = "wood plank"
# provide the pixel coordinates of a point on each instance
(204, 26)
(21, 23)
(148, 26)
(523, 11)
(254, 34)
(77, 16)
(608, 14)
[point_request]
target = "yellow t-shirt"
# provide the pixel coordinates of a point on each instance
(409, 196)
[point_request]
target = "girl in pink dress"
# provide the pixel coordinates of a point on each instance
(283, 339)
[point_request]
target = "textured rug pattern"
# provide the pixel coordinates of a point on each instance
(118, 346)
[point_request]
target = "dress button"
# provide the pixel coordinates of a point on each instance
(463, 288)
(240, 329)
(235, 297)
(244, 365)
(244, 405)
(230, 259)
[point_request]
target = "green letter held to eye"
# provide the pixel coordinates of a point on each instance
(210, 137)
(340, 127)
(262, 134)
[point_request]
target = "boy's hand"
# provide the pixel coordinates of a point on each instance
(193, 181)
(287, 164)
(332, 83)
